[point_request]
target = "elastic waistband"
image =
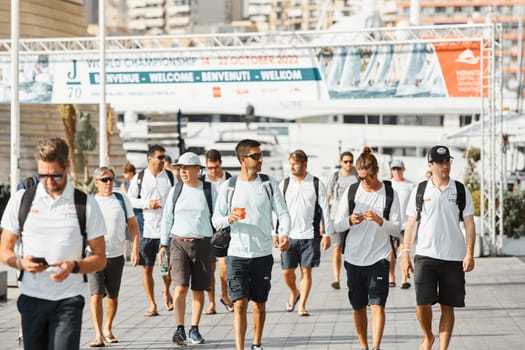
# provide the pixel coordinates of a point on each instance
(189, 239)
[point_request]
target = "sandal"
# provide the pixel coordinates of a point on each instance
(97, 343)
(303, 313)
(209, 312)
(110, 338)
(392, 284)
(291, 307)
(228, 307)
(168, 300)
(151, 313)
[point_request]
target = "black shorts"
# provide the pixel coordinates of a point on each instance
(367, 285)
(149, 247)
(107, 281)
(306, 252)
(191, 260)
(249, 278)
(439, 281)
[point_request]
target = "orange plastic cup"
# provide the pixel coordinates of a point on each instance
(241, 212)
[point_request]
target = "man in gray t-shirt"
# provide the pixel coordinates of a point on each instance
(340, 180)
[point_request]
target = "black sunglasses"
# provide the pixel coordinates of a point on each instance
(348, 161)
(106, 179)
(55, 177)
(254, 156)
(161, 157)
(366, 177)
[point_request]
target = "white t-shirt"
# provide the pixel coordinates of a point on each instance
(52, 231)
(153, 187)
(216, 183)
(403, 189)
(367, 242)
(439, 235)
(336, 188)
(115, 221)
(301, 202)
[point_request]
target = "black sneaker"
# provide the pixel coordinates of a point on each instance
(195, 336)
(256, 347)
(179, 337)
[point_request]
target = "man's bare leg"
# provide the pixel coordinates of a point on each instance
(424, 315)
(147, 281)
(446, 326)
(378, 324)
(305, 286)
(240, 322)
(361, 327)
(336, 266)
(259, 316)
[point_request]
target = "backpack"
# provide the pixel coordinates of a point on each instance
(317, 211)
(460, 198)
(138, 212)
(80, 205)
(389, 192)
(123, 206)
(220, 241)
(28, 182)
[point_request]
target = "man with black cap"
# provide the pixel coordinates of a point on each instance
(441, 256)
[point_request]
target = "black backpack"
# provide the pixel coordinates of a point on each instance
(460, 198)
(389, 191)
(80, 206)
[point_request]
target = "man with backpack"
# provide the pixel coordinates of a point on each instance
(186, 232)
(54, 222)
(369, 210)
(147, 192)
(245, 204)
(435, 208)
(307, 203)
(118, 217)
(338, 183)
(216, 176)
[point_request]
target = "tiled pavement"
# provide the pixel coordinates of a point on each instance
(493, 319)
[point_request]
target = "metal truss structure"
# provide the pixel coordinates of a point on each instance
(487, 36)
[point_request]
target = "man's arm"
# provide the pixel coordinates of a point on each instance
(410, 234)
(133, 227)
(9, 257)
(470, 233)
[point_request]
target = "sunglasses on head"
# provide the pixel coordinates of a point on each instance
(254, 156)
(55, 177)
(106, 179)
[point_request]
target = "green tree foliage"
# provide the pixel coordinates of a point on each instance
(513, 214)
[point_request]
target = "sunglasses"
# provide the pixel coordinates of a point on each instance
(443, 161)
(55, 177)
(348, 161)
(397, 169)
(254, 156)
(106, 179)
(366, 177)
(161, 157)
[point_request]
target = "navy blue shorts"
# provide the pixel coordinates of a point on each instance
(367, 285)
(149, 247)
(306, 252)
(249, 278)
(439, 281)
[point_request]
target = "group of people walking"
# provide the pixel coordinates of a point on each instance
(170, 219)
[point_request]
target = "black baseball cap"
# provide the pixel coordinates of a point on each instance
(438, 153)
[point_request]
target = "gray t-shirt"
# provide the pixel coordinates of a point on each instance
(336, 186)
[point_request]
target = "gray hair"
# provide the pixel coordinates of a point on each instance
(101, 171)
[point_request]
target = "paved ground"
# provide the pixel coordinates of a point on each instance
(493, 319)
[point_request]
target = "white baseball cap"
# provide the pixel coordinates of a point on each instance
(189, 158)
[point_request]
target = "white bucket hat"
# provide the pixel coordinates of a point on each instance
(189, 158)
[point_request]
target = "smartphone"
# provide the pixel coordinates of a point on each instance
(39, 260)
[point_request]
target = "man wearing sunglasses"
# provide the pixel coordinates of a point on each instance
(368, 248)
(337, 184)
(118, 216)
(250, 261)
(443, 254)
(150, 196)
(51, 289)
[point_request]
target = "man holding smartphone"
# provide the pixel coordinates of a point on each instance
(51, 290)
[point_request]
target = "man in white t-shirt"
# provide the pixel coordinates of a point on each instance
(51, 289)
(403, 187)
(118, 214)
(368, 247)
(441, 256)
(216, 176)
(149, 195)
(337, 184)
(250, 259)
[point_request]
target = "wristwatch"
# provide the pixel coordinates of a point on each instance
(76, 267)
